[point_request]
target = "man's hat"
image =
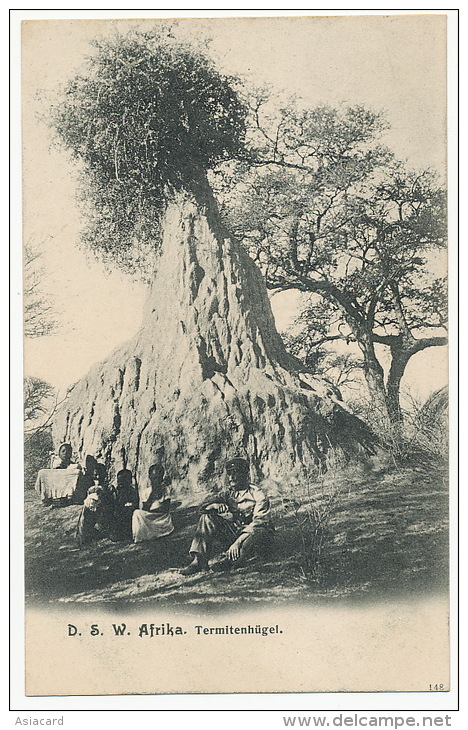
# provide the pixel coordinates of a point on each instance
(237, 464)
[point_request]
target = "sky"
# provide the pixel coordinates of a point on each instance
(390, 63)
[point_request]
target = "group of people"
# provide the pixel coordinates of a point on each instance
(113, 510)
(233, 525)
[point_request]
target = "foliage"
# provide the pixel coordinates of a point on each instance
(317, 200)
(427, 426)
(149, 115)
(311, 505)
(41, 401)
(424, 436)
(326, 210)
(37, 397)
(309, 338)
(37, 448)
(39, 315)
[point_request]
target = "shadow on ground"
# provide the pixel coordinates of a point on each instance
(386, 535)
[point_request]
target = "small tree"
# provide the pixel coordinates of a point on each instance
(40, 399)
(39, 405)
(326, 210)
(39, 314)
(37, 398)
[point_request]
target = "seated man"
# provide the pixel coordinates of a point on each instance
(238, 519)
(153, 519)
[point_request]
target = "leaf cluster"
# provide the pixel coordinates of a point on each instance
(147, 116)
(324, 208)
(37, 397)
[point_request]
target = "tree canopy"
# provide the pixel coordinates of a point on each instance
(326, 210)
(318, 201)
(37, 394)
(148, 115)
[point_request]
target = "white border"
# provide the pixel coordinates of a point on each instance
(272, 706)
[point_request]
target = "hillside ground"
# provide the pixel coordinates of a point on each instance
(360, 532)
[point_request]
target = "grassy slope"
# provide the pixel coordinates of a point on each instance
(386, 535)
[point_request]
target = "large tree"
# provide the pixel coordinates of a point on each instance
(207, 375)
(326, 210)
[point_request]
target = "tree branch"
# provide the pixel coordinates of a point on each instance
(426, 342)
(389, 340)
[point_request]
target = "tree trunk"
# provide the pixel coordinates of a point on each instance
(402, 350)
(400, 359)
(374, 375)
(207, 376)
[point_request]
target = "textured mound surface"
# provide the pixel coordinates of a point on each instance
(207, 375)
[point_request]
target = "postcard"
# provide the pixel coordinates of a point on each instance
(235, 355)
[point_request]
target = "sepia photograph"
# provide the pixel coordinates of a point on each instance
(236, 400)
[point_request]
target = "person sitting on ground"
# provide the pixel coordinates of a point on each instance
(153, 520)
(238, 519)
(95, 519)
(125, 502)
(65, 454)
(86, 480)
(56, 491)
(101, 472)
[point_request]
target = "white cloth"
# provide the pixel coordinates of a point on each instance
(151, 524)
(92, 502)
(57, 483)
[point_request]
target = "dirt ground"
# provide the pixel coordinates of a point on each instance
(384, 533)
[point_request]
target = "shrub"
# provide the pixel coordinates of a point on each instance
(309, 506)
(37, 448)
